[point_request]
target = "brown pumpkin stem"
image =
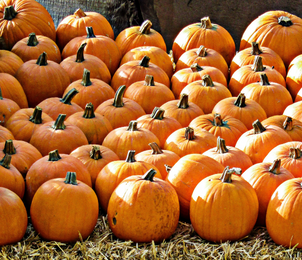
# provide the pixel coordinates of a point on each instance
(158, 113)
(95, 153)
(59, 123)
(86, 78)
(275, 167)
(80, 53)
(184, 101)
(258, 65)
(195, 67)
(36, 117)
(9, 13)
(42, 60)
(285, 21)
(221, 146)
(202, 51)
(189, 133)
(145, 61)
(217, 121)
(149, 81)
(130, 156)
(9, 147)
(240, 100)
(5, 161)
(54, 156)
(79, 13)
(89, 111)
(207, 81)
(206, 23)
(258, 127)
(264, 79)
(294, 153)
(148, 176)
(118, 97)
(256, 49)
(288, 124)
(132, 126)
(155, 148)
(32, 40)
(145, 27)
(89, 31)
(71, 178)
(227, 174)
(69, 96)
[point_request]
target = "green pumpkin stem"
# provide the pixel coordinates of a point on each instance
(86, 78)
(221, 146)
(36, 117)
(118, 97)
(54, 156)
(202, 51)
(227, 174)
(256, 49)
(6, 160)
(184, 101)
(89, 111)
(89, 31)
(95, 152)
(144, 62)
(155, 148)
(195, 67)
(158, 113)
(130, 156)
(32, 40)
(71, 178)
(9, 147)
(285, 21)
(189, 133)
(205, 23)
(42, 60)
(149, 81)
(258, 127)
(295, 153)
(79, 13)
(80, 53)
(264, 80)
(207, 81)
(288, 124)
(59, 123)
(275, 167)
(69, 96)
(145, 27)
(240, 100)
(9, 13)
(148, 176)
(132, 126)
(258, 65)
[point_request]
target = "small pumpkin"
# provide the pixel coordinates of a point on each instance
(7, 107)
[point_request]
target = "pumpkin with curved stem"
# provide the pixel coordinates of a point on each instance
(5, 134)
(233, 197)
(155, 198)
(7, 107)
(265, 178)
(9, 62)
(48, 209)
(115, 172)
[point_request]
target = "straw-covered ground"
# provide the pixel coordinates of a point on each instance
(183, 244)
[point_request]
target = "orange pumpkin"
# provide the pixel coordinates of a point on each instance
(7, 107)
(294, 110)
(9, 62)
(5, 134)
(294, 78)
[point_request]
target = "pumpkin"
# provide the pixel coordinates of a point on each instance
(7, 107)
(115, 172)
(294, 110)
(76, 23)
(265, 178)
(143, 209)
(234, 199)
(36, 77)
(9, 62)
(136, 36)
(5, 134)
(294, 78)
(13, 217)
(49, 215)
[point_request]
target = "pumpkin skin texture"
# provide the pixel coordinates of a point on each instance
(186, 173)
(22, 18)
(143, 209)
(5, 134)
(7, 107)
(265, 178)
(283, 214)
(230, 195)
(13, 217)
(49, 215)
(9, 62)
(294, 78)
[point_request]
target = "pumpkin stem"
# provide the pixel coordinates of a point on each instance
(275, 167)
(71, 178)
(184, 101)
(59, 123)
(118, 97)
(189, 133)
(42, 60)
(258, 65)
(256, 49)
(155, 148)
(79, 13)
(89, 31)
(240, 100)
(294, 153)
(132, 126)
(168, 168)
(95, 152)
(285, 21)
(9, 13)
(32, 40)
(69, 96)
(36, 117)
(288, 124)
(9, 147)
(158, 113)
(221, 147)
(202, 51)
(149, 81)
(207, 81)
(227, 174)
(206, 23)
(5, 161)
(130, 156)
(217, 121)
(80, 53)
(86, 78)
(89, 111)
(1, 97)
(145, 27)
(264, 79)
(145, 61)
(195, 67)
(148, 176)
(258, 127)
(54, 156)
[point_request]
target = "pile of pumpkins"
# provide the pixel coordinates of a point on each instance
(204, 134)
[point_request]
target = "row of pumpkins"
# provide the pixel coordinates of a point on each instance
(224, 128)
